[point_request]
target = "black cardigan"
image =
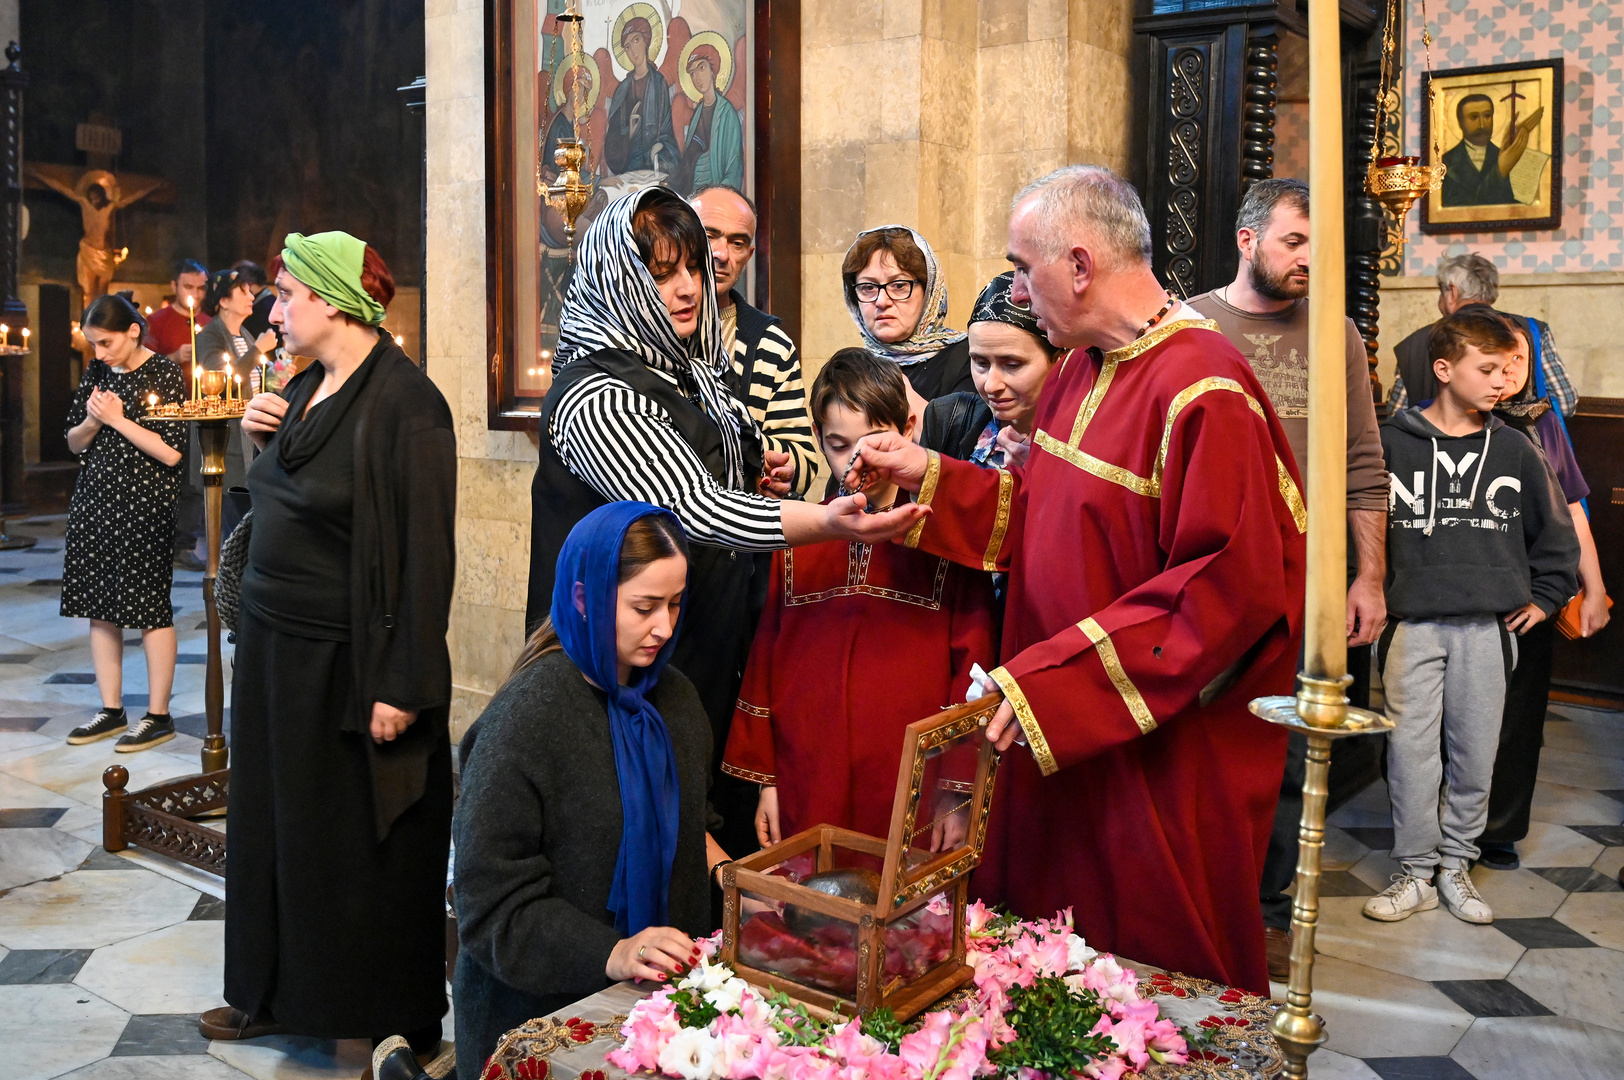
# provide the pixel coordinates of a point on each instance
(537, 835)
(402, 567)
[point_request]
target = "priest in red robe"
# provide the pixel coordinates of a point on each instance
(1155, 544)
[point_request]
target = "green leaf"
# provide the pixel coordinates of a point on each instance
(1053, 1025)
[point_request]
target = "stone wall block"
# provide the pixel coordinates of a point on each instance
(833, 182)
(1003, 22)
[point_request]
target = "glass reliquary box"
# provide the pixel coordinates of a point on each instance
(848, 923)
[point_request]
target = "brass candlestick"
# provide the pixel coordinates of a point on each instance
(212, 433)
(572, 190)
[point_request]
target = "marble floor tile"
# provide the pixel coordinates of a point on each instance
(49, 1030)
(1556, 845)
(1559, 804)
(1376, 870)
(1375, 838)
(198, 880)
(1542, 934)
(188, 1067)
(1525, 1047)
(161, 1035)
(1370, 808)
(1418, 1068)
(1341, 851)
(1606, 835)
(33, 817)
(1578, 769)
(1369, 1012)
(1599, 916)
(296, 1057)
(1609, 862)
(21, 793)
(33, 967)
(1329, 1065)
(1491, 997)
(1593, 733)
(1582, 984)
(80, 817)
(76, 771)
(88, 909)
(1428, 945)
(1518, 894)
(1579, 879)
(21, 740)
(209, 908)
(29, 855)
(174, 970)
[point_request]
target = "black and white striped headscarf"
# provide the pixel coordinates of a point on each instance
(613, 303)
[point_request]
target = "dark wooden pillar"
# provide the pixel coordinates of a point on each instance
(12, 311)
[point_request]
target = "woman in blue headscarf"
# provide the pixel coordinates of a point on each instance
(583, 856)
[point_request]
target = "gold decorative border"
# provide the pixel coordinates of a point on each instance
(753, 710)
(1000, 525)
(1140, 346)
(927, 492)
(764, 779)
(1131, 697)
(1288, 487)
(1091, 403)
(1087, 462)
(1029, 722)
(857, 585)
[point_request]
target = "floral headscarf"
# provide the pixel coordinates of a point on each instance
(932, 335)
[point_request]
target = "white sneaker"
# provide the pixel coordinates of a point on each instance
(1461, 897)
(1403, 898)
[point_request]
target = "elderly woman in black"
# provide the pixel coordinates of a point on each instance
(639, 410)
(341, 770)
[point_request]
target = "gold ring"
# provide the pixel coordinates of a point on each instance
(640, 949)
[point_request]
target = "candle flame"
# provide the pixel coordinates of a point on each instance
(149, 309)
(189, 301)
(399, 340)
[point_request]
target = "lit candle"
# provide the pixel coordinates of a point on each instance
(197, 382)
(238, 380)
(399, 340)
(149, 309)
(25, 337)
(5, 334)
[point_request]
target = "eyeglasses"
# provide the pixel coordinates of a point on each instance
(869, 291)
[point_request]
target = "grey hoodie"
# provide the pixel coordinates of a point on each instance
(1475, 524)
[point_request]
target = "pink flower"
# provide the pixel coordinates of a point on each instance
(1129, 1035)
(1110, 1068)
(647, 1030)
(1165, 1043)
(742, 1048)
(1046, 955)
(939, 905)
(977, 916)
(1110, 979)
(946, 1047)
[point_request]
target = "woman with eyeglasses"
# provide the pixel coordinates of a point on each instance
(897, 295)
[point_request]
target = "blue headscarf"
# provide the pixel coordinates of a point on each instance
(644, 761)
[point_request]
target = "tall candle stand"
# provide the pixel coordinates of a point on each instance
(164, 818)
(12, 417)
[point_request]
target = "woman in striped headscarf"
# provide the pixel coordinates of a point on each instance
(639, 411)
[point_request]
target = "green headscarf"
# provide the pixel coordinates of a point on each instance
(330, 264)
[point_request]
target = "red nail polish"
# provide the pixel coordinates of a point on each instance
(660, 977)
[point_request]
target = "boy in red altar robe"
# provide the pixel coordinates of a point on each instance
(856, 641)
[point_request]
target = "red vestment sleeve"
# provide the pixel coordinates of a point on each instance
(749, 755)
(973, 513)
(1231, 579)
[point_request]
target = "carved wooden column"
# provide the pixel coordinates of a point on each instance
(12, 310)
(1367, 222)
(1257, 146)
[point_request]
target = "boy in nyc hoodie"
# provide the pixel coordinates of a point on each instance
(1480, 547)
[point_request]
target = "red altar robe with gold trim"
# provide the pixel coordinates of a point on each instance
(1156, 553)
(855, 643)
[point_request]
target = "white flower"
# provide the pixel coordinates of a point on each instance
(1078, 954)
(728, 996)
(706, 976)
(691, 1054)
(939, 905)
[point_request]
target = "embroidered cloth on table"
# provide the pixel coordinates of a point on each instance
(1229, 1032)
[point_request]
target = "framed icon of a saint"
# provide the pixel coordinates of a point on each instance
(1500, 132)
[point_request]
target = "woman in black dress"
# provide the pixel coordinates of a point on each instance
(117, 565)
(582, 849)
(341, 760)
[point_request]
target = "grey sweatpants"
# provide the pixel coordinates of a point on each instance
(1451, 672)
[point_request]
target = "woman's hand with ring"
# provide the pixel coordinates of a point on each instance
(655, 954)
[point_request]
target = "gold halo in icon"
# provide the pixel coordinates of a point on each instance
(639, 11)
(724, 78)
(589, 98)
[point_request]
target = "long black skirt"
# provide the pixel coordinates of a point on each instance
(328, 931)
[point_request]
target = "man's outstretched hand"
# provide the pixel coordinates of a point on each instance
(886, 455)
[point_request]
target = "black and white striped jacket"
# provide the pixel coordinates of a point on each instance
(766, 376)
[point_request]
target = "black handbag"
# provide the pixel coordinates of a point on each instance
(233, 561)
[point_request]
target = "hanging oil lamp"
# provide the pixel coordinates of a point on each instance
(572, 190)
(1398, 182)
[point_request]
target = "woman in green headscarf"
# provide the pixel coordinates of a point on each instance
(341, 771)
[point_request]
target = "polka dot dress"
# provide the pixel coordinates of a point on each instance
(119, 556)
